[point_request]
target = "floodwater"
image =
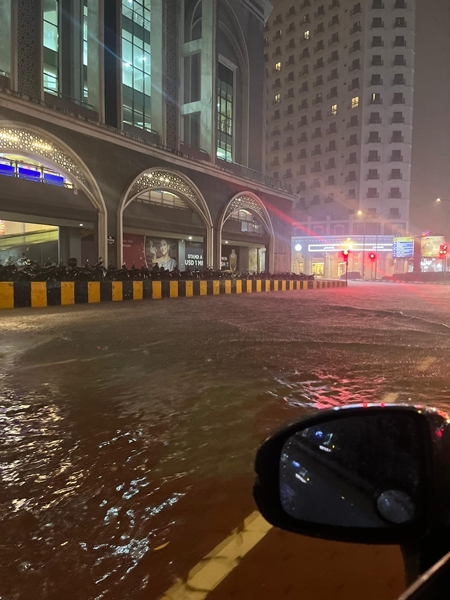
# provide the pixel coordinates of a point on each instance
(128, 432)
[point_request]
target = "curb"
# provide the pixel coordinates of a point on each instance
(39, 294)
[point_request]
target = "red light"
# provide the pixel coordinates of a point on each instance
(372, 256)
(345, 255)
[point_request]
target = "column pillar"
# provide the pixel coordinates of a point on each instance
(157, 70)
(29, 48)
(71, 43)
(5, 37)
(208, 63)
(172, 70)
(69, 244)
(95, 71)
(112, 64)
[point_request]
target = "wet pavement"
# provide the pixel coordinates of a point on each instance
(128, 434)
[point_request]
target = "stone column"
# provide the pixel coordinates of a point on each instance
(95, 71)
(208, 65)
(29, 48)
(172, 73)
(157, 70)
(71, 44)
(5, 37)
(112, 64)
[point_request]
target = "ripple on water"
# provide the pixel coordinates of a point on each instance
(320, 389)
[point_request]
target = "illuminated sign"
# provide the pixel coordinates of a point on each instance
(355, 247)
(430, 246)
(403, 247)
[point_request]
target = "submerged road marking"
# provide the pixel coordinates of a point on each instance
(220, 562)
(65, 362)
(89, 359)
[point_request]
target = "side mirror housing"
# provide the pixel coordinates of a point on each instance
(368, 474)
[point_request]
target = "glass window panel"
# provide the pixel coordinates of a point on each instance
(51, 47)
(51, 37)
(147, 85)
(137, 61)
(51, 11)
(127, 75)
(138, 83)
(127, 51)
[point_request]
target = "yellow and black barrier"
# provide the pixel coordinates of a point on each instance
(36, 294)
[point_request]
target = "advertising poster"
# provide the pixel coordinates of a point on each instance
(194, 257)
(133, 250)
(141, 250)
(430, 246)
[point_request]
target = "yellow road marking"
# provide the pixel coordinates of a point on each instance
(220, 562)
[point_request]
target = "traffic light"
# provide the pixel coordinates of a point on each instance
(372, 256)
(443, 249)
(345, 255)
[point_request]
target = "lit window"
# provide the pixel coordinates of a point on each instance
(136, 63)
(278, 66)
(306, 35)
(51, 47)
(277, 98)
(334, 109)
(355, 102)
(225, 93)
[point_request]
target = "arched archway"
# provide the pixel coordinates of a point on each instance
(186, 197)
(33, 143)
(248, 202)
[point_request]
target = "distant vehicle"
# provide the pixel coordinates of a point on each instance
(351, 275)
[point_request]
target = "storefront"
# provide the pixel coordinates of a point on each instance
(243, 257)
(245, 240)
(28, 230)
(161, 228)
(322, 256)
(165, 223)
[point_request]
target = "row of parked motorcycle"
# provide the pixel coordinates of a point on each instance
(26, 270)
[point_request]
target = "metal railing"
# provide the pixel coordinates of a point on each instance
(224, 166)
(30, 172)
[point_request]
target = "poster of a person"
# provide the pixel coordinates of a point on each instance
(164, 260)
(151, 253)
(159, 255)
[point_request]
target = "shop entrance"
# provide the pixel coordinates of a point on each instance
(318, 268)
(244, 243)
(241, 257)
(161, 228)
(341, 268)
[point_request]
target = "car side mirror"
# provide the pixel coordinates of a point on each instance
(369, 474)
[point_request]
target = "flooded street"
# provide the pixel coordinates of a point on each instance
(128, 432)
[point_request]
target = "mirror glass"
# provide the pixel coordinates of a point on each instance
(356, 471)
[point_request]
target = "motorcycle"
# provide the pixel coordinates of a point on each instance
(371, 474)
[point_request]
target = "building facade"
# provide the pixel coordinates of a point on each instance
(133, 130)
(340, 77)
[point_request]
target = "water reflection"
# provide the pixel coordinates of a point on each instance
(100, 469)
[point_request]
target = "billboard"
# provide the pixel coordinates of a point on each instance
(141, 250)
(403, 247)
(194, 257)
(430, 246)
